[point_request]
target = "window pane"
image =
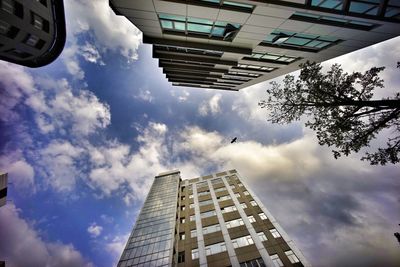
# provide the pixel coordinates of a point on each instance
(166, 24)
(179, 26)
(296, 41)
(201, 21)
(358, 7)
(229, 3)
(172, 17)
(218, 31)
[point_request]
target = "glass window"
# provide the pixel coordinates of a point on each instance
(330, 20)
(211, 229)
(330, 4)
(365, 7)
(182, 236)
(253, 203)
(263, 216)
(181, 256)
(216, 181)
(246, 193)
(183, 208)
(192, 218)
(205, 202)
(182, 220)
(222, 198)
(208, 214)
(228, 209)
(243, 205)
(193, 233)
(393, 9)
(242, 241)
(215, 248)
(198, 26)
(166, 24)
(275, 233)
(204, 193)
(202, 184)
(190, 196)
(191, 205)
(195, 254)
(251, 218)
(252, 263)
(234, 223)
(8, 6)
(292, 257)
(276, 260)
(237, 195)
(220, 189)
(292, 39)
(230, 3)
(262, 236)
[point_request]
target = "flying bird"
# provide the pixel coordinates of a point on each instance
(233, 140)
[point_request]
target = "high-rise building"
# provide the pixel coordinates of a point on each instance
(32, 32)
(214, 220)
(234, 44)
(3, 189)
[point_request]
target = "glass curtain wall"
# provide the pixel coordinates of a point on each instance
(151, 241)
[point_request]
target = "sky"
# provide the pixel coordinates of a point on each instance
(83, 138)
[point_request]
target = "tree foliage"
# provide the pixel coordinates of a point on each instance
(340, 108)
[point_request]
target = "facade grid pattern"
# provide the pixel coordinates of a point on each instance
(207, 221)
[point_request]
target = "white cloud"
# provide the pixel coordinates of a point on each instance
(90, 53)
(58, 107)
(180, 94)
(94, 230)
(122, 168)
(19, 238)
(13, 90)
(212, 106)
(109, 32)
(70, 57)
(117, 244)
(58, 162)
(144, 95)
(21, 174)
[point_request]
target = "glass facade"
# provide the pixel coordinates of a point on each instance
(329, 4)
(288, 39)
(393, 9)
(334, 21)
(390, 9)
(151, 241)
(189, 25)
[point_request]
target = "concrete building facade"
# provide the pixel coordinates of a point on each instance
(231, 45)
(214, 220)
(32, 33)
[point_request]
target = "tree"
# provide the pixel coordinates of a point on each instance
(341, 109)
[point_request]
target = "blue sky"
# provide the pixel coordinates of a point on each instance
(83, 138)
